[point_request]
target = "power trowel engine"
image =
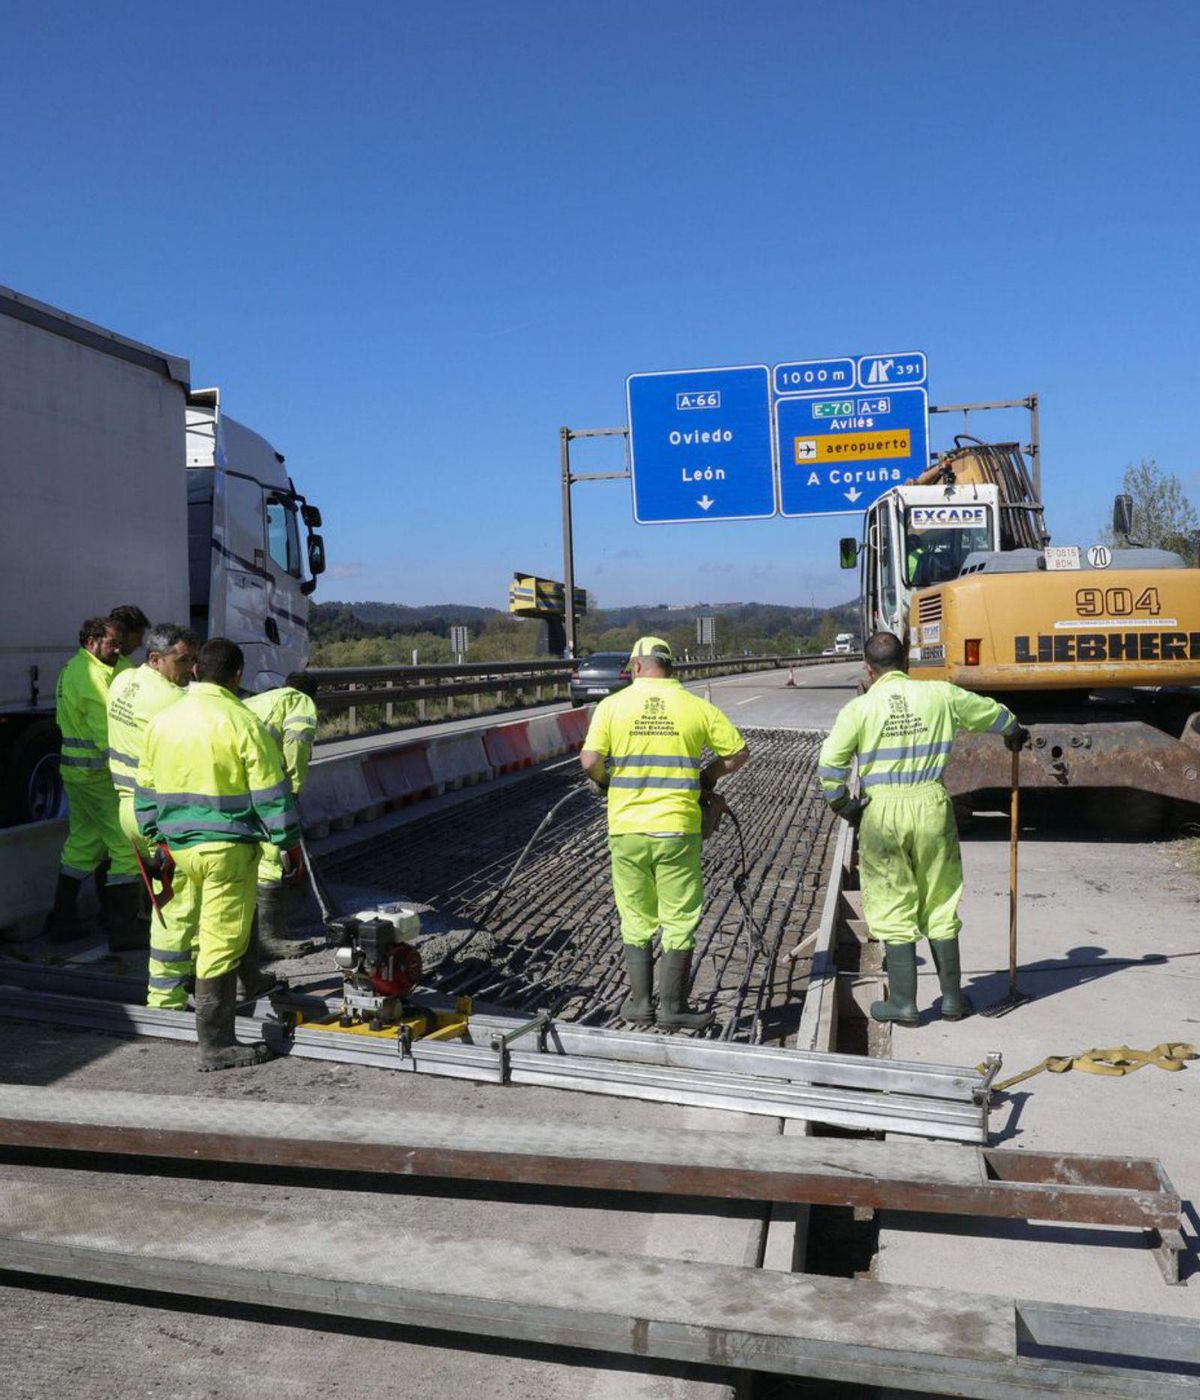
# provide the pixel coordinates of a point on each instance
(378, 962)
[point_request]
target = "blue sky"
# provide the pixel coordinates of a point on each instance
(410, 241)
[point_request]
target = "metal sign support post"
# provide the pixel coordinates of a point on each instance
(1033, 448)
(565, 438)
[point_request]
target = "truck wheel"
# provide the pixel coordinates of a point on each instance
(32, 789)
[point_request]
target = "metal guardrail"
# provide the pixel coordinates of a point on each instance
(387, 685)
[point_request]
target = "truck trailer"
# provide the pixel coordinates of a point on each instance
(120, 483)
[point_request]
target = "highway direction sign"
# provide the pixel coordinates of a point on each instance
(840, 452)
(906, 370)
(700, 445)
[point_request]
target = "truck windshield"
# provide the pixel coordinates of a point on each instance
(935, 553)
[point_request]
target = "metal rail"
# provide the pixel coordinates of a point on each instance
(949, 1102)
(382, 685)
(729, 1317)
(923, 1177)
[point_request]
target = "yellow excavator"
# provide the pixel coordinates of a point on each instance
(1097, 649)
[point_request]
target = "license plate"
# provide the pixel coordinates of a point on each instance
(597, 690)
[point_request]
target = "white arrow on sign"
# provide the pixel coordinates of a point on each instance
(705, 501)
(852, 495)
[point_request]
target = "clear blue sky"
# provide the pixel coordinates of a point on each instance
(410, 241)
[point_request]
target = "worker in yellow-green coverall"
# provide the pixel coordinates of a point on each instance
(901, 732)
(136, 695)
(289, 713)
(211, 788)
(644, 747)
(94, 840)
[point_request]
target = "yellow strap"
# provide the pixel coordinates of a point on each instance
(1118, 1059)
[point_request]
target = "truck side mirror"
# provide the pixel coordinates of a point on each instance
(848, 552)
(1122, 519)
(311, 516)
(316, 555)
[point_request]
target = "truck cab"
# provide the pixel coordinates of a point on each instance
(245, 560)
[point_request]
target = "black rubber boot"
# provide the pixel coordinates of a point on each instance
(272, 919)
(62, 923)
(955, 1002)
(674, 974)
(214, 1027)
(125, 923)
(638, 1007)
(252, 981)
(901, 1004)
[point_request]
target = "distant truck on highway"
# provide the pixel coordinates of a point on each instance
(119, 483)
(845, 643)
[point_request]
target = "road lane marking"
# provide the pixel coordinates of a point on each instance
(748, 700)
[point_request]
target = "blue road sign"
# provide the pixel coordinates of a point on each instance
(815, 376)
(893, 371)
(700, 445)
(839, 452)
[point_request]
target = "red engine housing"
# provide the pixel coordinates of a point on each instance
(398, 972)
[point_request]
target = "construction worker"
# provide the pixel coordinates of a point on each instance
(135, 697)
(132, 623)
(901, 732)
(93, 826)
(210, 788)
(289, 713)
(644, 746)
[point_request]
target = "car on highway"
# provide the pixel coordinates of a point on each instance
(600, 674)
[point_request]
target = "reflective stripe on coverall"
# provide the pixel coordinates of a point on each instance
(901, 732)
(290, 717)
(93, 824)
(652, 734)
(134, 698)
(212, 787)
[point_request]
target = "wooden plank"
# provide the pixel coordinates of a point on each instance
(724, 1316)
(901, 1175)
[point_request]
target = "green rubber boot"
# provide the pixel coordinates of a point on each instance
(638, 1007)
(901, 1004)
(215, 1012)
(955, 1002)
(674, 974)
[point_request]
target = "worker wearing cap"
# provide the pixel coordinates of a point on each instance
(901, 732)
(644, 746)
(289, 713)
(211, 788)
(138, 694)
(93, 827)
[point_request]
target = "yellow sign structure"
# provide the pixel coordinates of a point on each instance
(530, 596)
(852, 447)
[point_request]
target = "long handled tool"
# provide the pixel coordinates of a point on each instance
(1015, 996)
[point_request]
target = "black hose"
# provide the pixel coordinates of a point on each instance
(541, 826)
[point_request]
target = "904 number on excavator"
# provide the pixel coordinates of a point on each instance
(1116, 602)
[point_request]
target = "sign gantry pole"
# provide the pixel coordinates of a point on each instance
(565, 437)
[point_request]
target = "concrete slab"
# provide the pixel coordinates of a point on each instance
(1108, 947)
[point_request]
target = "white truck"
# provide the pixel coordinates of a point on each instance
(119, 483)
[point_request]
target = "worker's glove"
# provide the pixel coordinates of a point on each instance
(712, 808)
(1016, 739)
(852, 809)
(292, 861)
(161, 868)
